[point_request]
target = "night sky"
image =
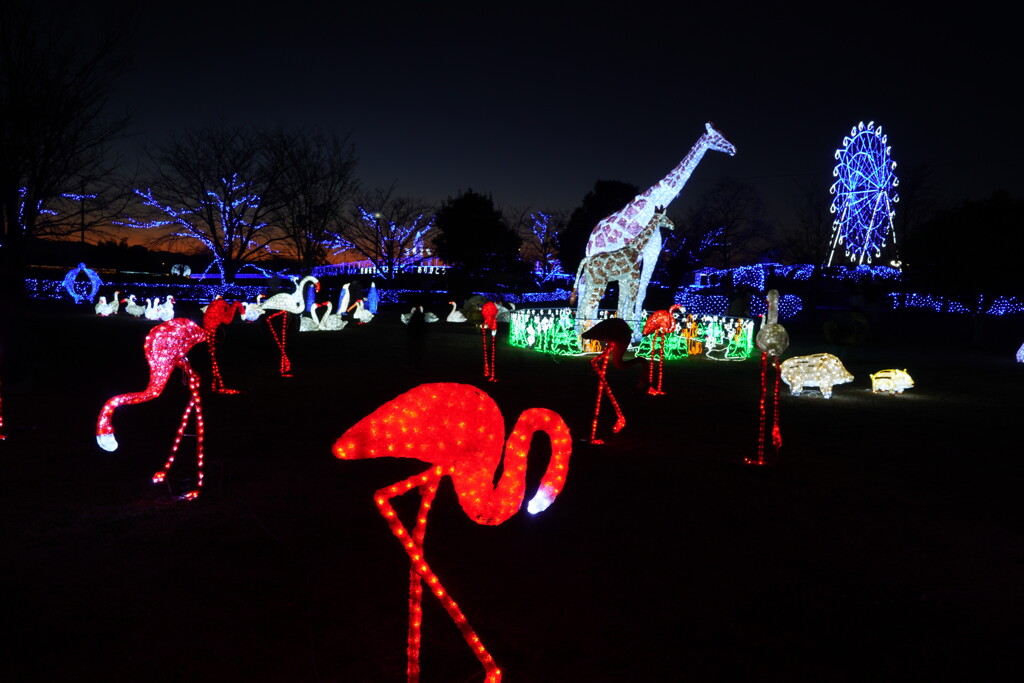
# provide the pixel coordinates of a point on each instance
(534, 106)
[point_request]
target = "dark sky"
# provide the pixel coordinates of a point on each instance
(533, 106)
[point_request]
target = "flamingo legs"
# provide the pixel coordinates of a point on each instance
(279, 338)
(193, 404)
(489, 368)
(659, 339)
(420, 571)
(600, 364)
(217, 384)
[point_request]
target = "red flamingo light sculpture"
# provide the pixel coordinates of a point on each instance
(772, 339)
(219, 312)
(661, 324)
(490, 312)
(284, 304)
(614, 334)
(456, 428)
(167, 346)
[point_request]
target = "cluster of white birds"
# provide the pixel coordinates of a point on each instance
(103, 308)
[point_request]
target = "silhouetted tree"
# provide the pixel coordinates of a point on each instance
(735, 208)
(474, 237)
(607, 197)
(57, 70)
(316, 185)
(808, 239)
(221, 187)
(971, 251)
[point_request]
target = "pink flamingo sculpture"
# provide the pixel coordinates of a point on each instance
(167, 346)
(456, 428)
(772, 339)
(219, 312)
(490, 312)
(615, 334)
(284, 304)
(661, 324)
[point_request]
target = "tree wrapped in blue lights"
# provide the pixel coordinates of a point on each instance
(864, 194)
(391, 232)
(221, 187)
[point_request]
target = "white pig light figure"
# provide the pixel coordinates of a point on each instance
(822, 370)
(891, 381)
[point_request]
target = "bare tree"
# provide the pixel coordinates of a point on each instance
(220, 187)
(539, 233)
(316, 187)
(735, 207)
(809, 239)
(56, 77)
(390, 231)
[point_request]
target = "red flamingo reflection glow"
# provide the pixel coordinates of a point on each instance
(166, 348)
(458, 429)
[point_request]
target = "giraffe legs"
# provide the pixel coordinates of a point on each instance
(420, 572)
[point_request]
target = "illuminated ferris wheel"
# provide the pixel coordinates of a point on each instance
(864, 195)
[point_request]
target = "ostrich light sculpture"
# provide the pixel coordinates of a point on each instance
(457, 429)
(772, 339)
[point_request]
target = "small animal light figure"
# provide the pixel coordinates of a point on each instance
(822, 370)
(891, 381)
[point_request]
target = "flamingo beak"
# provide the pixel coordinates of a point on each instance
(541, 501)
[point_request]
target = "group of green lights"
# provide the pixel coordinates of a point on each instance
(553, 331)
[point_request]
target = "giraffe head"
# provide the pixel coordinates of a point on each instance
(717, 141)
(661, 220)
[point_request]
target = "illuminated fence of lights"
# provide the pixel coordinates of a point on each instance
(1002, 305)
(553, 331)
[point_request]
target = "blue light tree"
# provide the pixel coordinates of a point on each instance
(865, 192)
(227, 221)
(540, 243)
(390, 232)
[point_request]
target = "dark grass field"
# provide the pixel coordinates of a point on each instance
(887, 544)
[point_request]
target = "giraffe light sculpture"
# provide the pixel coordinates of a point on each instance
(457, 429)
(620, 228)
(622, 265)
(166, 348)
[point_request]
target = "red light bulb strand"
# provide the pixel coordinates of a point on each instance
(166, 348)
(652, 388)
(218, 312)
(280, 339)
(776, 431)
(600, 365)
(457, 428)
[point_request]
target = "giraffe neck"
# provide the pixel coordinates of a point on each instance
(645, 235)
(624, 225)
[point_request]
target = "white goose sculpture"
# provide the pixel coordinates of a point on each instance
(133, 308)
(152, 311)
(253, 311)
(166, 310)
(456, 316)
(294, 302)
(361, 315)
